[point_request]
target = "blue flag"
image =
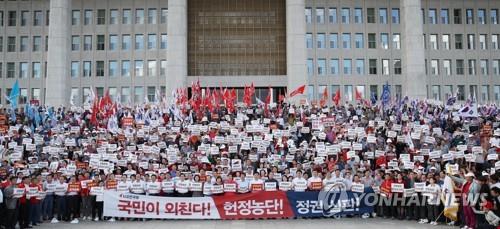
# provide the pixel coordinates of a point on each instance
(373, 98)
(386, 94)
(14, 94)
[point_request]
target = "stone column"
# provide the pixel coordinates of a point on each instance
(413, 52)
(59, 55)
(296, 54)
(177, 46)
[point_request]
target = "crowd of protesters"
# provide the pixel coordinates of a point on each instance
(55, 160)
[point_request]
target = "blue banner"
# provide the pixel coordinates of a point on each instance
(331, 203)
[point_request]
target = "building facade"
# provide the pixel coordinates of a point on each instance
(61, 50)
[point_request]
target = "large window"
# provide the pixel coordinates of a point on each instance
(395, 15)
(447, 67)
(435, 67)
(432, 16)
(385, 67)
(358, 15)
(481, 16)
(359, 41)
(113, 17)
(469, 14)
(152, 15)
(320, 40)
(87, 42)
(370, 15)
(446, 41)
(382, 16)
(139, 68)
(11, 70)
(11, 44)
(321, 67)
(495, 64)
(397, 67)
(320, 15)
(75, 69)
(308, 13)
(494, 41)
(445, 19)
(24, 17)
(458, 41)
(12, 18)
(460, 67)
(87, 19)
(472, 67)
(37, 43)
(484, 67)
(346, 40)
(151, 41)
(139, 42)
(87, 68)
(210, 53)
(152, 68)
(138, 94)
(482, 41)
(126, 17)
(75, 17)
(457, 16)
(384, 40)
(126, 42)
(101, 17)
(23, 44)
(113, 68)
(99, 69)
(346, 15)
(433, 41)
(360, 66)
(372, 66)
(163, 42)
(100, 42)
(113, 42)
(125, 68)
(23, 70)
(36, 70)
(164, 15)
(125, 95)
(494, 16)
(396, 41)
(471, 41)
(372, 41)
(347, 66)
(139, 16)
(332, 15)
(334, 66)
(309, 40)
(334, 37)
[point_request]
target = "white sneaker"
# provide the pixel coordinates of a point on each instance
(112, 220)
(84, 218)
(374, 214)
(75, 221)
(425, 220)
(365, 216)
(96, 219)
(452, 223)
(464, 227)
(54, 220)
(434, 223)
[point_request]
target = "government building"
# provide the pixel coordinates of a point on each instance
(61, 51)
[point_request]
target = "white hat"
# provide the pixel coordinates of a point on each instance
(469, 174)
(204, 119)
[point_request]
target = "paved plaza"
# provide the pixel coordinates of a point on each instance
(346, 223)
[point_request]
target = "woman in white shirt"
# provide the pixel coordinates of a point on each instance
(433, 201)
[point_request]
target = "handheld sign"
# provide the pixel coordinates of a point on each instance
(229, 187)
(397, 188)
(358, 188)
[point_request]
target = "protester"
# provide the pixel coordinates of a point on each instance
(400, 151)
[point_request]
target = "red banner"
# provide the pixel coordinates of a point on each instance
(263, 205)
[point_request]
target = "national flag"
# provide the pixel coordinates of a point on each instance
(299, 90)
(357, 94)
(386, 94)
(373, 98)
(336, 98)
(14, 95)
(324, 97)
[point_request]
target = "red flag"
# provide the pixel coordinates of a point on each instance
(324, 98)
(336, 98)
(358, 95)
(299, 90)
